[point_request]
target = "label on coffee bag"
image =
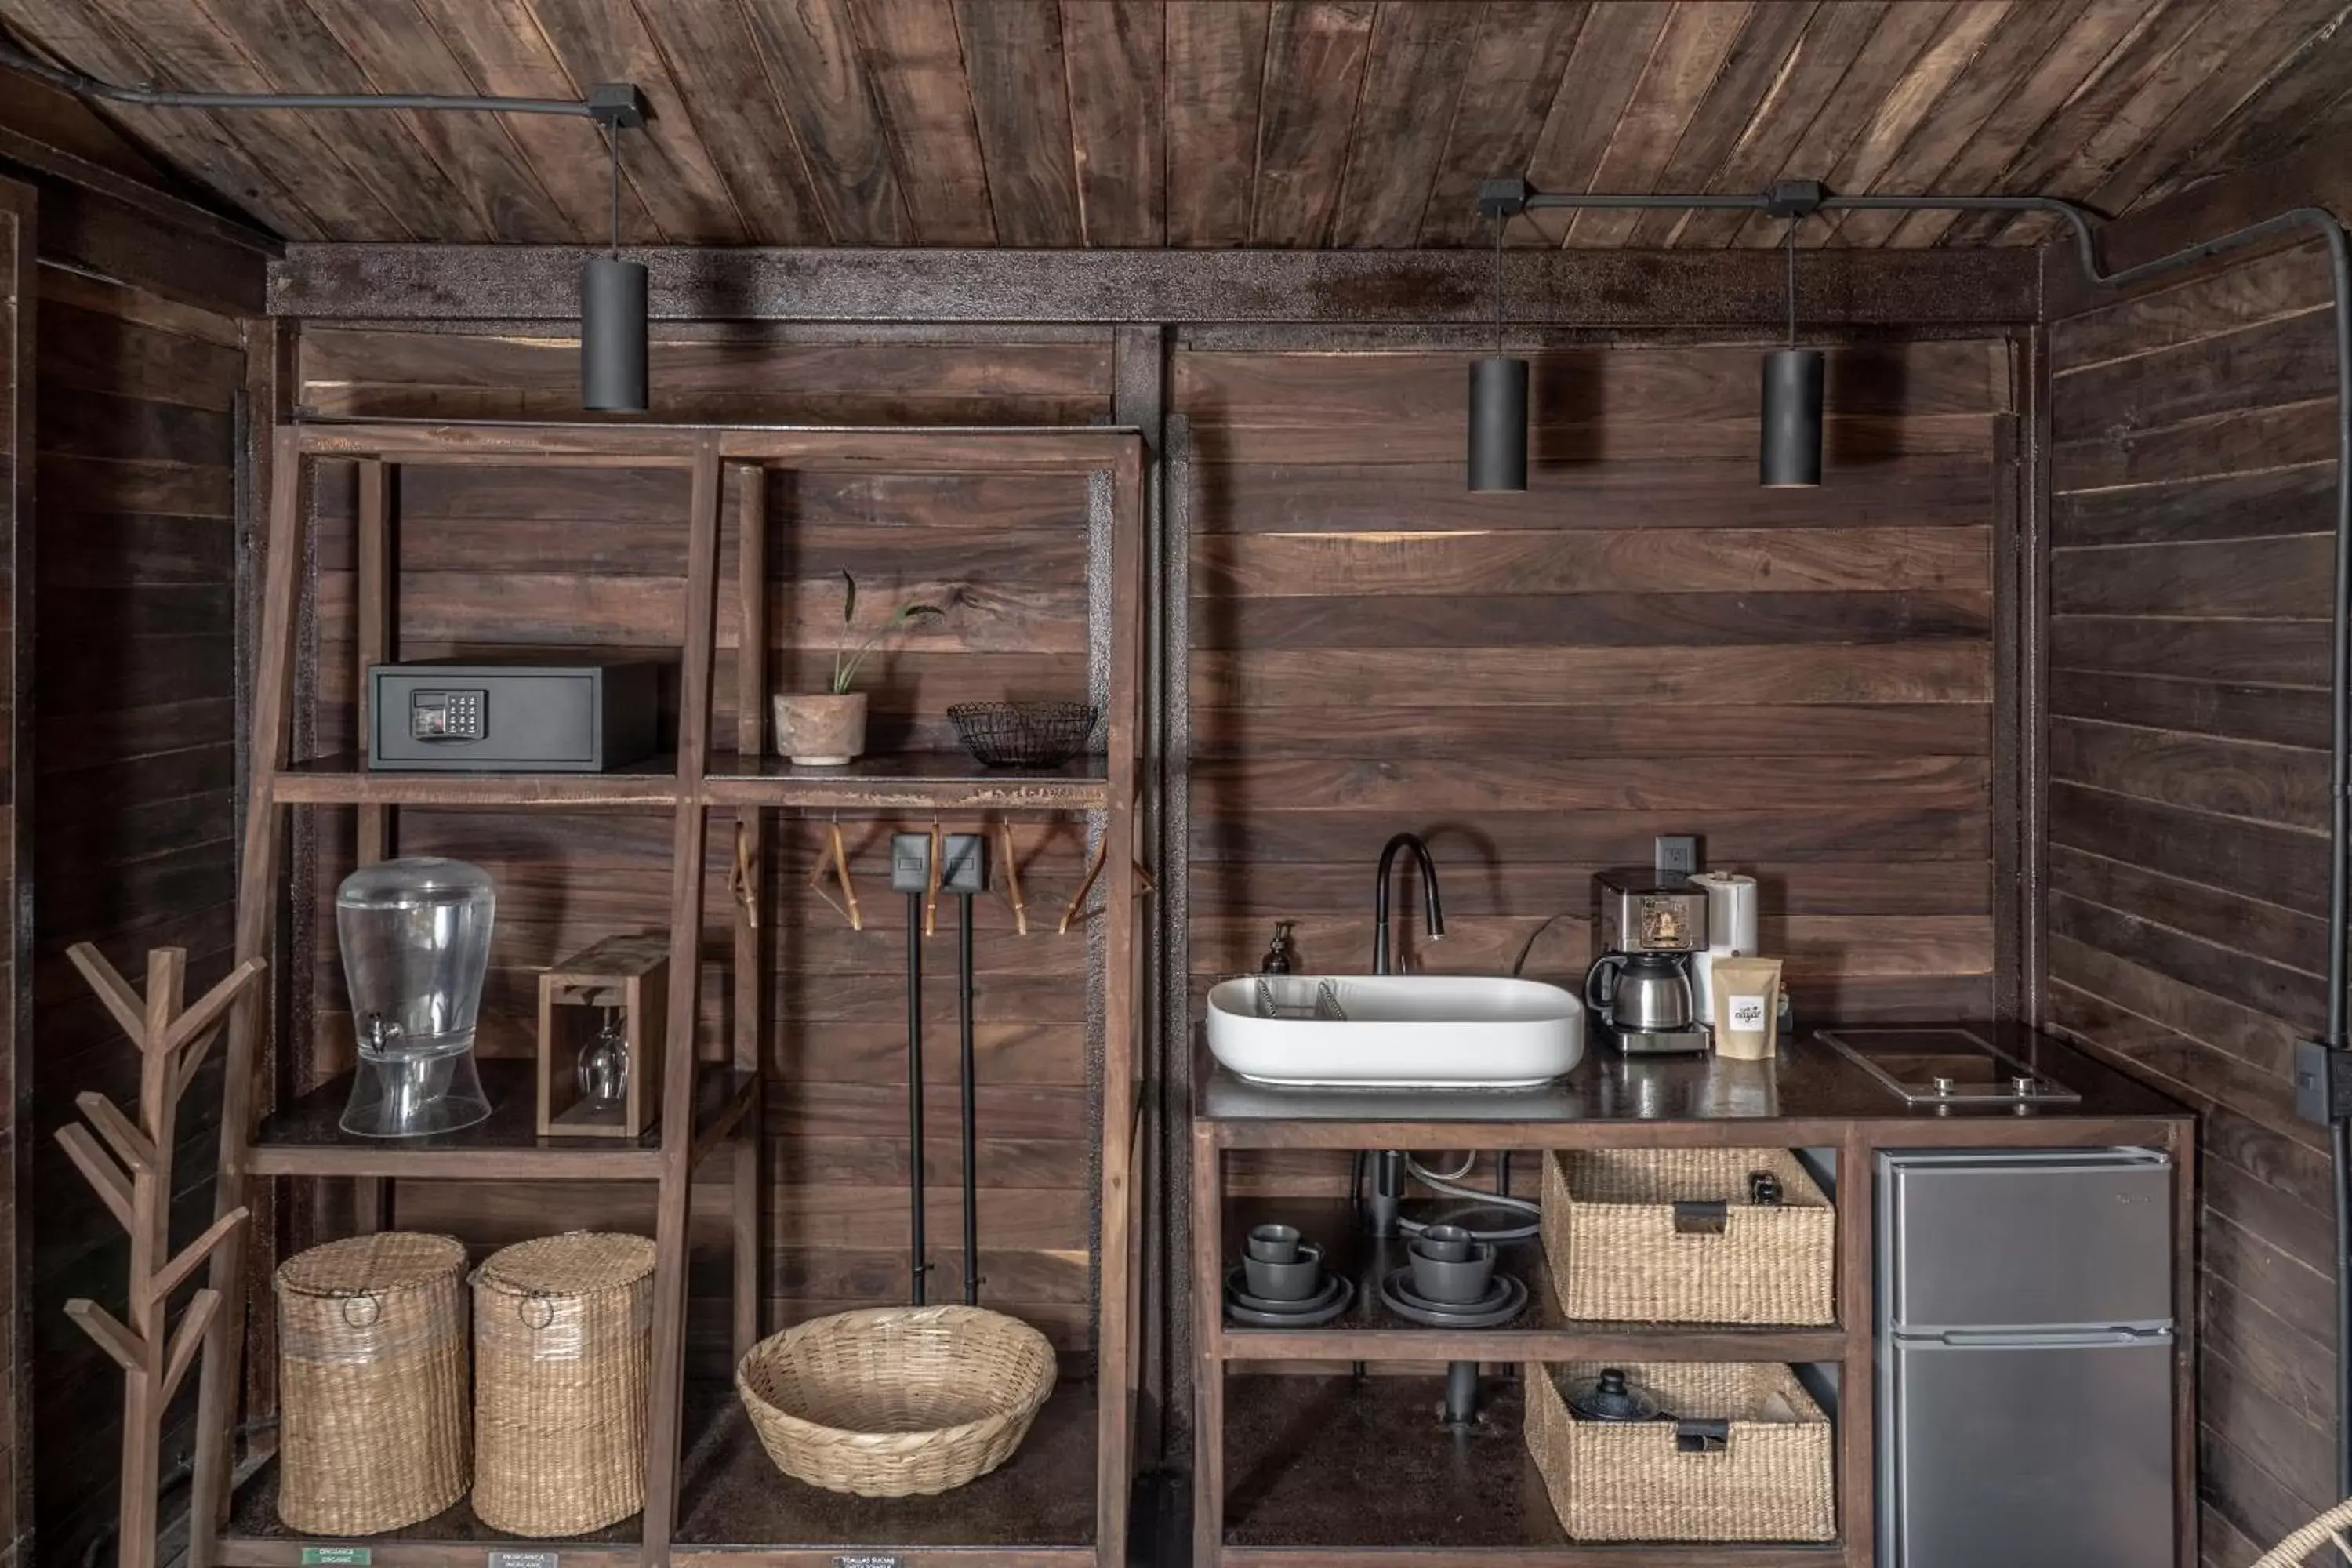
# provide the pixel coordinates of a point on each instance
(1746, 1012)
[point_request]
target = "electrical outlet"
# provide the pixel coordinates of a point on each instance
(963, 864)
(910, 862)
(1677, 854)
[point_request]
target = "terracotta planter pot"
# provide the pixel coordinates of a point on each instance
(823, 730)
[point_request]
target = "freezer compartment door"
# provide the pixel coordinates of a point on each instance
(2048, 1239)
(2042, 1453)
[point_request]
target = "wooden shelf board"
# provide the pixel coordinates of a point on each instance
(1036, 1509)
(303, 1139)
(1368, 1331)
(1323, 1471)
(344, 779)
(732, 1496)
(921, 780)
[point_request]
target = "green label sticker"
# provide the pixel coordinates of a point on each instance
(338, 1556)
(523, 1560)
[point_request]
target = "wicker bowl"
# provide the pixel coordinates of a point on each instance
(1022, 734)
(896, 1401)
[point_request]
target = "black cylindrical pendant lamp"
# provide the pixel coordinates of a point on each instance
(1498, 423)
(612, 335)
(1792, 418)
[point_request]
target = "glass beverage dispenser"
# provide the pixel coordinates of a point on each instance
(416, 935)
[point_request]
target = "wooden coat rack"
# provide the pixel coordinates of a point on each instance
(134, 1182)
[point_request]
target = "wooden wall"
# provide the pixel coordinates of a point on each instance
(137, 439)
(17, 374)
(2190, 569)
(1645, 642)
(494, 559)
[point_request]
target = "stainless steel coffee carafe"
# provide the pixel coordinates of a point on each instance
(1646, 991)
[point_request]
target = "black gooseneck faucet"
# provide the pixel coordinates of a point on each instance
(1433, 910)
(1388, 1165)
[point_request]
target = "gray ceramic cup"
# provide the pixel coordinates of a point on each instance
(1454, 1282)
(1273, 1243)
(1294, 1282)
(1448, 1243)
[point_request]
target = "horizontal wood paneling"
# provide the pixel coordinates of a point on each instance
(134, 825)
(2192, 512)
(498, 561)
(1643, 643)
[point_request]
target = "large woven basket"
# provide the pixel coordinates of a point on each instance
(371, 1371)
(1620, 1251)
(1769, 1477)
(896, 1401)
(562, 1345)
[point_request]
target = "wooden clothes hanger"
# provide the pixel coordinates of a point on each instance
(1076, 912)
(833, 860)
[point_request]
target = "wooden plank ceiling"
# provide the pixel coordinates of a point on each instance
(1208, 122)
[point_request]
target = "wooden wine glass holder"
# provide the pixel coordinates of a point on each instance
(702, 1106)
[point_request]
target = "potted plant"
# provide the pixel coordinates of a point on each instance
(828, 729)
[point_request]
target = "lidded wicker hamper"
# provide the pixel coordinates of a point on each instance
(372, 1369)
(896, 1401)
(562, 1347)
(1668, 1235)
(1767, 1477)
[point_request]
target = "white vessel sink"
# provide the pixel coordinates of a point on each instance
(1395, 1031)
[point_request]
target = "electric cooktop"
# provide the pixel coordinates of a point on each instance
(1947, 1067)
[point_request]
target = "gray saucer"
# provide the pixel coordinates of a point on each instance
(1335, 1297)
(1505, 1300)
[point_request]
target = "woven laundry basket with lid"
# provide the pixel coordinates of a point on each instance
(562, 1347)
(372, 1374)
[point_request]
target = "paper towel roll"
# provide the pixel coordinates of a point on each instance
(1731, 905)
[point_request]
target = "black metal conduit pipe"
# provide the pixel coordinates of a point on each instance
(2325, 228)
(970, 1082)
(82, 86)
(915, 1094)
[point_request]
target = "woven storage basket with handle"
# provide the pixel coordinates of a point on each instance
(1630, 1237)
(1767, 1477)
(896, 1401)
(372, 1372)
(562, 1344)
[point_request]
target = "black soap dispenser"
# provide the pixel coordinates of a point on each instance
(1277, 951)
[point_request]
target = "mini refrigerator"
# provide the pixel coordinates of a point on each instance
(2025, 1359)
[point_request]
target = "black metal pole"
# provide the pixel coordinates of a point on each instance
(1461, 1394)
(915, 1092)
(82, 86)
(971, 1112)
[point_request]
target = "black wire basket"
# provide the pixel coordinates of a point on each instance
(1024, 734)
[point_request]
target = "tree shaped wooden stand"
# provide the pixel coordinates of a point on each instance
(134, 1182)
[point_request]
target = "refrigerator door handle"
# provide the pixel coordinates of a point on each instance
(2041, 1339)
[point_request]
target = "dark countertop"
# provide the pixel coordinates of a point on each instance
(1808, 1085)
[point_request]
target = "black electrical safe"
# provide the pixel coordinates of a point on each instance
(499, 718)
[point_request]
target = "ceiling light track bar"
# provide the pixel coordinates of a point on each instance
(617, 103)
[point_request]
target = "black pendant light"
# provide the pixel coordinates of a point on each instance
(612, 318)
(1792, 451)
(1498, 404)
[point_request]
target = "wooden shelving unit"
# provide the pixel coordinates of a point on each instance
(1300, 1464)
(1065, 1495)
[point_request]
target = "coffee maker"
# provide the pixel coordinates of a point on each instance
(1645, 927)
